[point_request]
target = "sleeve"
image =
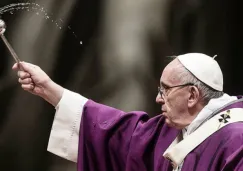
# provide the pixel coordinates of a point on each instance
(64, 135)
(105, 136)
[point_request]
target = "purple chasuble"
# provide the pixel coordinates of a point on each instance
(112, 140)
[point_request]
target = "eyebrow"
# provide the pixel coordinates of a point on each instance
(163, 84)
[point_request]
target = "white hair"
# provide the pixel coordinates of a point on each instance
(206, 92)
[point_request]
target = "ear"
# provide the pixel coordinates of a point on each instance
(194, 96)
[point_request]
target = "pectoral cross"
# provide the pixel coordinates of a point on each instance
(224, 118)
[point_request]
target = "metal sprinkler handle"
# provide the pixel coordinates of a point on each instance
(10, 48)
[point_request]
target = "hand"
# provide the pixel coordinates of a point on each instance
(34, 80)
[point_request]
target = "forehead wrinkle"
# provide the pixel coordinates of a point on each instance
(171, 73)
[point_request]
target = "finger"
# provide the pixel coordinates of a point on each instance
(25, 81)
(23, 74)
(28, 87)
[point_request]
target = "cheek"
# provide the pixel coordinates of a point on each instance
(176, 105)
(170, 107)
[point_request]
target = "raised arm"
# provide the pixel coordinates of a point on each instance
(69, 106)
(83, 130)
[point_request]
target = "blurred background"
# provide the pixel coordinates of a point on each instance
(112, 51)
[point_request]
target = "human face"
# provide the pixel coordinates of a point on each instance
(174, 97)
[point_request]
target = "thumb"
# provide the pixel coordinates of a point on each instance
(15, 66)
(26, 67)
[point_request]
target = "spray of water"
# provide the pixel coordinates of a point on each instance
(39, 10)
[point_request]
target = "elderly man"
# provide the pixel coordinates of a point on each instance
(200, 127)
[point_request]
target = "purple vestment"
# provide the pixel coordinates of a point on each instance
(112, 140)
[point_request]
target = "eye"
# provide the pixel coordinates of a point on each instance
(165, 87)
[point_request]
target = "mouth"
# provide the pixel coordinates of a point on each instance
(163, 112)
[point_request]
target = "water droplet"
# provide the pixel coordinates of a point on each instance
(31, 6)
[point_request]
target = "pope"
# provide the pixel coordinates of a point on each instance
(200, 127)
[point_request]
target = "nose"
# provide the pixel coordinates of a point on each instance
(159, 99)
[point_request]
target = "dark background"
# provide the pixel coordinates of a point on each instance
(124, 49)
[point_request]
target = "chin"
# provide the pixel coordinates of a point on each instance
(169, 123)
(172, 124)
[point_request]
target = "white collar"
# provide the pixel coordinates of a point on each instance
(212, 105)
